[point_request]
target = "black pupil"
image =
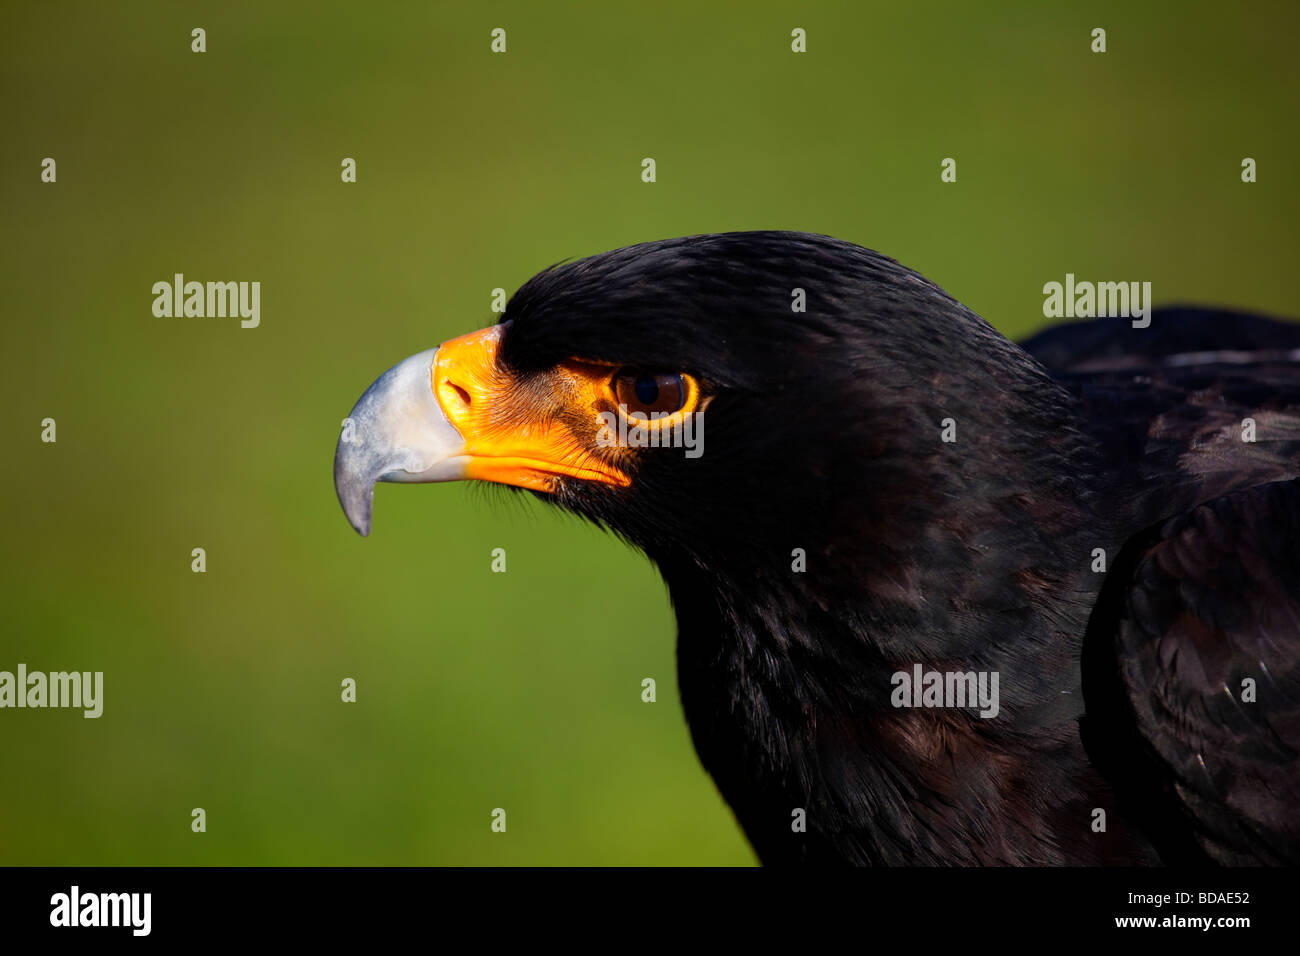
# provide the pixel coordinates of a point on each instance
(647, 389)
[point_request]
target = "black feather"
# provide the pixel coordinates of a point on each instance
(823, 433)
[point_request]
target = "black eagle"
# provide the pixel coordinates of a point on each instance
(1105, 517)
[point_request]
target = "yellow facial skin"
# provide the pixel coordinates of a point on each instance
(531, 433)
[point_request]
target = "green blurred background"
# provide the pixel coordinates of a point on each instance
(480, 690)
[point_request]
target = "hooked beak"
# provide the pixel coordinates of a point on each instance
(451, 413)
(396, 432)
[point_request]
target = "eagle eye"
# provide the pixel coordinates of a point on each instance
(644, 394)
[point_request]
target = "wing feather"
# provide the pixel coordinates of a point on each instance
(1208, 650)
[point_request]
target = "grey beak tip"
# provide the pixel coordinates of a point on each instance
(361, 522)
(357, 504)
(356, 492)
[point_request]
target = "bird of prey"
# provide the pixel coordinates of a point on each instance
(1104, 522)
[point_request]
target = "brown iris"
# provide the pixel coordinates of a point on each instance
(645, 394)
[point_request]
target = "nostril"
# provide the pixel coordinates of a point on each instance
(459, 392)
